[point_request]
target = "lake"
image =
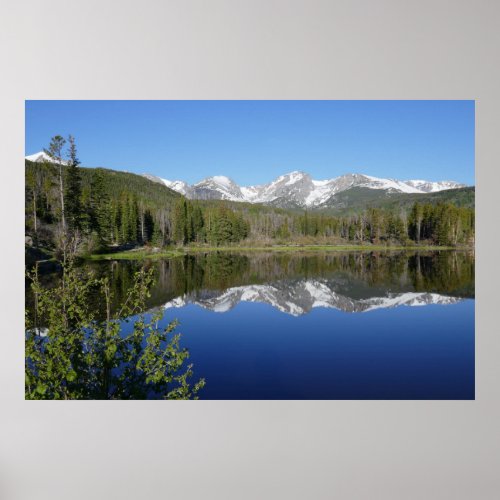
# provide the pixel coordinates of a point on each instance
(354, 325)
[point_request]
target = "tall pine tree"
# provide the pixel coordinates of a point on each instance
(73, 188)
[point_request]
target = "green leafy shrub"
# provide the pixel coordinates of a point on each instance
(83, 353)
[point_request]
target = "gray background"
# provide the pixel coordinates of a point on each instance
(249, 50)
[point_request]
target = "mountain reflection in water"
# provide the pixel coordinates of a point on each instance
(295, 283)
(300, 297)
(290, 328)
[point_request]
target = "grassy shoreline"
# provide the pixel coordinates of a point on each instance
(143, 254)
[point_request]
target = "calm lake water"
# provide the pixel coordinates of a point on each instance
(379, 325)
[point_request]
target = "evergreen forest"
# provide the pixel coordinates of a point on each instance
(85, 211)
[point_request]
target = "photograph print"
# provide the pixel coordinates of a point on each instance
(250, 250)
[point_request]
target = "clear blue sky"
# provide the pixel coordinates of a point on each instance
(255, 141)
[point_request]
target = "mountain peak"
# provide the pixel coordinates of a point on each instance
(298, 189)
(220, 179)
(42, 156)
(297, 173)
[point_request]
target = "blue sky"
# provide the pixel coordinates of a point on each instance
(255, 141)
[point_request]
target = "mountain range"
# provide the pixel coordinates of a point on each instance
(304, 295)
(299, 189)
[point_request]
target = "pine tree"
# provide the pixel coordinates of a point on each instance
(73, 188)
(133, 219)
(124, 218)
(179, 220)
(101, 209)
(33, 181)
(416, 218)
(198, 224)
(55, 152)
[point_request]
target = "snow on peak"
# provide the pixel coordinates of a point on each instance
(179, 186)
(42, 156)
(220, 180)
(223, 180)
(432, 187)
(298, 187)
(294, 177)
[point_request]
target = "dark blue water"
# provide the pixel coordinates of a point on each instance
(354, 325)
(254, 351)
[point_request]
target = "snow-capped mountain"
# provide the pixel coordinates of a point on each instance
(298, 188)
(295, 189)
(303, 296)
(42, 156)
(431, 187)
(179, 186)
(217, 187)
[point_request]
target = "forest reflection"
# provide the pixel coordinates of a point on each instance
(355, 275)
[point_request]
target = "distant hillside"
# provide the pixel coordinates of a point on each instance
(357, 199)
(154, 195)
(112, 208)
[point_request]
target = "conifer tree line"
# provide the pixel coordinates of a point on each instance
(98, 208)
(214, 225)
(93, 209)
(441, 224)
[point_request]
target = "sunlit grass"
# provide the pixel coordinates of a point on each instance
(142, 254)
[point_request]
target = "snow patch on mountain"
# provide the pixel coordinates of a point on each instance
(432, 187)
(179, 186)
(296, 188)
(294, 177)
(299, 188)
(42, 156)
(223, 180)
(389, 184)
(250, 193)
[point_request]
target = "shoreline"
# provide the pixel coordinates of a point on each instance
(142, 254)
